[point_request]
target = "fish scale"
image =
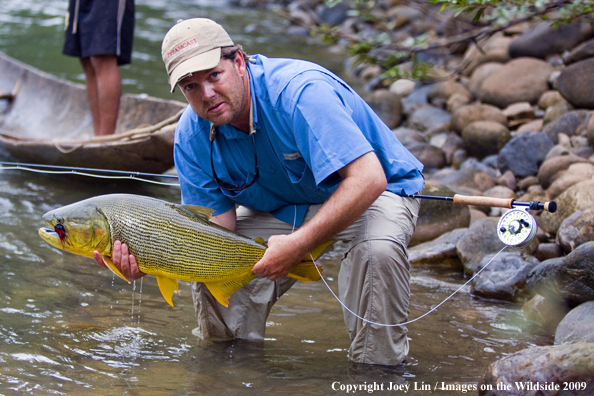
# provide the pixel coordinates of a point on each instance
(168, 241)
(171, 242)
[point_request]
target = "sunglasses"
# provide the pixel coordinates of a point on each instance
(223, 185)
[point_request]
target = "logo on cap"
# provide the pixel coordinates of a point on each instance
(182, 47)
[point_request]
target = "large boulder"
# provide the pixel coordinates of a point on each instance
(542, 366)
(520, 80)
(479, 241)
(524, 154)
(576, 326)
(438, 217)
(576, 82)
(544, 40)
(569, 278)
(504, 278)
(440, 251)
(580, 196)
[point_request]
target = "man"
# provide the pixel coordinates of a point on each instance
(306, 160)
(100, 33)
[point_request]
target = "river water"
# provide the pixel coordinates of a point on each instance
(68, 327)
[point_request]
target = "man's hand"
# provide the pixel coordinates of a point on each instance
(283, 254)
(122, 259)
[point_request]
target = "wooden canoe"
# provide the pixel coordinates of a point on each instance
(46, 120)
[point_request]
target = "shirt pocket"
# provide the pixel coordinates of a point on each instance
(295, 167)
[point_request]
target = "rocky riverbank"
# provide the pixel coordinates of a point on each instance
(515, 121)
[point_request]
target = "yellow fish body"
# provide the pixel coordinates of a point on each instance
(172, 242)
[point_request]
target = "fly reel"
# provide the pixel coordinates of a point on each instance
(516, 228)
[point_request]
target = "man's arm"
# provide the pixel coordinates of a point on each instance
(126, 262)
(363, 181)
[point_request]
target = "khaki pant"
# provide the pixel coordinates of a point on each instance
(373, 282)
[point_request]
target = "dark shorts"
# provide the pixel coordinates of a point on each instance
(103, 27)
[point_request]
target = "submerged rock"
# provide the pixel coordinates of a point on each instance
(540, 367)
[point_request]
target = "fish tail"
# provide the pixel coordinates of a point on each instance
(307, 270)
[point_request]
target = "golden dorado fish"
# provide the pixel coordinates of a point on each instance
(172, 242)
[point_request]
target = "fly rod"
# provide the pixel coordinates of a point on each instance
(508, 203)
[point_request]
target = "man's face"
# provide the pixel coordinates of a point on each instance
(220, 95)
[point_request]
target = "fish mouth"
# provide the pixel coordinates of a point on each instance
(48, 235)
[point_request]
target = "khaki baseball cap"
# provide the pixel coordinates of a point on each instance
(193, 45)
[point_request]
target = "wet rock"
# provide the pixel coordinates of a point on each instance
(575, 84)
(550, 98)
(430, 156)
(520, 80)
(575, 173)
(480, 240)
(524, 154)
(542, 365)
(440, 251)
(552, 168)
(580, 196)
(430, 119)
(569, 278)
(572, 123)
(483, 138)
(388, 106)
(583, 51)
(576, 326)
(438, 217)
(504, 278)
(480, 74)
(576, 230)
(466, 115)
(545, 40)
(546, 313)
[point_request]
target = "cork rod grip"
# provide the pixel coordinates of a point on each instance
(483, 201)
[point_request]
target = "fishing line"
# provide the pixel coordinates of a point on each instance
(410, 321)
(397, 324)
(120, 175)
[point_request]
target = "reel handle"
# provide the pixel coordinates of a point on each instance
(508, 203)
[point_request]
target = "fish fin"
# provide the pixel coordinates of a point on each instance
(307, 270)
(112, 267)
(223, 290)
(200, 212)
(259, 240)
(167, 286)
